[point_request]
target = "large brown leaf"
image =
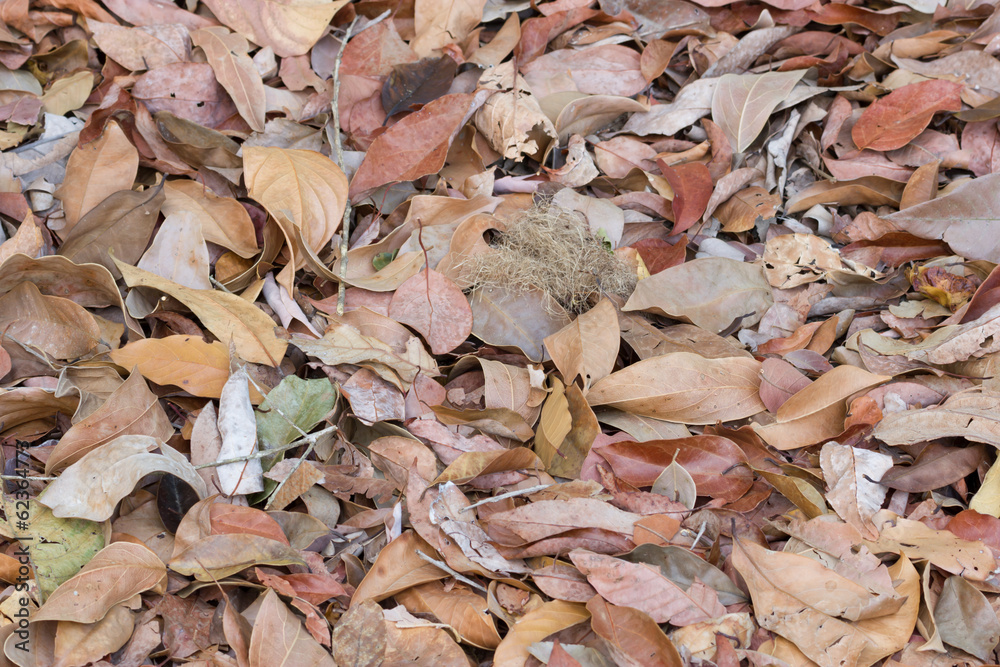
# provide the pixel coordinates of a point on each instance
(305, 192)
(685, 388)
(289, 27)
(227, 54)
(817, 412)
(113, 576)
(960, 219)
(120, 226)
(57, 327)
(743, 103)
(894, 120)
(711, 293)
(131, 410)
(415, 146)
(587, 347)
(632, 636)
(831, 619)
(95, 172)
(279, 638)
(226, 315)
(717, 465)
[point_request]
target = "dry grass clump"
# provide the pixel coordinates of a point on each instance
(553, 249)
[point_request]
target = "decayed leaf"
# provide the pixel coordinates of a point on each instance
(711, 293)
(742, 103)
(91, 487)
(515, 125)
(113, 576)
(226, 315)
(920, 542)
(850, 473)
(360, 635)
(685, 388)
(839, 622)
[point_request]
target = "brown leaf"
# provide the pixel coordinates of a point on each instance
(231, 318)
(711, 293)
(57, 327)
(743, 103)
(894, 120)
(290, 27)
(957, 218)
(642, 587)
(131, 410)
(119, 226)
(588, 347)
(692, 186)
(278, 636)
(536, 625)
(218, 556)
(433, 305)
(633, 637)
(415, 146)
(817, 412)
(716, 464)
(458, 607)
(359, 638)
(113, 576)
(227, 54)
(685, 388)
(96, 171)
(397, 568)
(841, 622)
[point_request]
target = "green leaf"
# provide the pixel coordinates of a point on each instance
(293, 403)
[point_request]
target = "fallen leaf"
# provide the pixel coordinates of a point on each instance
(894, 120)
(113, 576)
(742, 103)
(711, 293)
(683, 387)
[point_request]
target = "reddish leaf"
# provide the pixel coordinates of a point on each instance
(716, 464)
(692, 185)
(894, 120)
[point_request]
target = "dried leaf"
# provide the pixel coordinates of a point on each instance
(684, 388)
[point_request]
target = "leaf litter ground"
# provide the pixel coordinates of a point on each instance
(458, 332)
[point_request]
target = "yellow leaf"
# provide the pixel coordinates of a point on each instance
(228, 316)
(305, 192)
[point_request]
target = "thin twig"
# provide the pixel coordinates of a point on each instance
(345, 228)
(444, 566)
(509, 494)
(269, 452)
(15, 478)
